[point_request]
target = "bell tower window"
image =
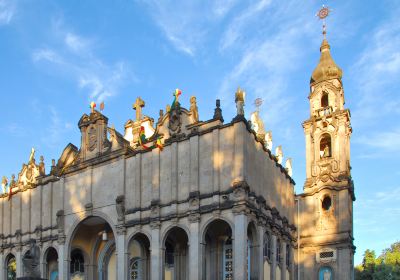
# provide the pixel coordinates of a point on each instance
(324, 100)
(325, 147)
(326, 203)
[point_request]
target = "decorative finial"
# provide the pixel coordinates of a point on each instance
(218, 111)
(322, 14)
(92, 106)
(239, 99)
(257, 103)
(32, 156)
(102, 106)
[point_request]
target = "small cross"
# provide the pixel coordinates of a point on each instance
(139, 104)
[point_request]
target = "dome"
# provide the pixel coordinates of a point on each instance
(326, 68)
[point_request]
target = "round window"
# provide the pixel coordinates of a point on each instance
(326, 203)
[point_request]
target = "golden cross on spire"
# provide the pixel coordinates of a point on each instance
(322, 14)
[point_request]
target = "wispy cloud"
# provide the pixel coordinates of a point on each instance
(77, 58)
(186, 24)
(267, 59)
(56, 129)
(387, 141)
(7, 11)
(377, 70)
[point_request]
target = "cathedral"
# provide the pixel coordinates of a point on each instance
(181, 198)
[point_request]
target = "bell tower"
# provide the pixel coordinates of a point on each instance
(326, 206)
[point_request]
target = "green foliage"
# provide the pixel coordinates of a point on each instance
(385, 267)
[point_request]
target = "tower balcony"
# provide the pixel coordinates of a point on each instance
(325, 111)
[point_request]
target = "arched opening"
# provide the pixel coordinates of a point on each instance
(252, 252)
(139, 257)
(325, 273)
(92, 251)
(218, 251)
(324, 100)
(279, 267)
(175, 254)
(11, 267)
(51, 264)
(267, 253)
(325, 147)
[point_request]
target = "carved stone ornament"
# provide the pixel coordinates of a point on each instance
(92, 138)
(120, 207)
(175, 122)
(31, 261)
(193, 109)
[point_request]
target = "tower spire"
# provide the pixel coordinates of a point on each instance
(322, 14)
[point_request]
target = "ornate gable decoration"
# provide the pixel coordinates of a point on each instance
(29, 173)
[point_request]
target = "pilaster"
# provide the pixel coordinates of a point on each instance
(194, 249)
(156, 257)
(121, 254)
(240, 246)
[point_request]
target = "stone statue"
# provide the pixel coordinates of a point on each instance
(194, 109)
(268, 140)
(4, 184)
(42, 170)
(120, 207)
(279, 154)
(239, 99)
(289, 167)
(161, 115)
(31, 261)
(60, 220)
(32, 156)
(326, 152)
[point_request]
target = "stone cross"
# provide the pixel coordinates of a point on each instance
(139, 104)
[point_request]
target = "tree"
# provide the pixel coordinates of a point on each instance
(385, 267)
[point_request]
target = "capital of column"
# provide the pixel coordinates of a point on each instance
(155, 225)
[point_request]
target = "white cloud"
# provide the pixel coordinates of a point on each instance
(7, 11)
(76, 58)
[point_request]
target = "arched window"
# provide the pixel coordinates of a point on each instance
(77, 265)
(51, 267)
(11, 268)
(324, 100)
(278, 251)
(325, 146)
(135, 269)
(267, 246)
(326, 203)
(228, 260)
(325, 273)
(287, 255)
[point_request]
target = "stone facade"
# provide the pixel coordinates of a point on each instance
(212, 202)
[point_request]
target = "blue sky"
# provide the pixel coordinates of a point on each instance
(57, 56)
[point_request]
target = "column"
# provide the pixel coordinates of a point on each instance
(2, 265)
(273, 257)
(240, 246)
(62, 262)
(121, 255)
(156, 257)
(194, 249)
(260, 258)
(18, 258)
(283, 260)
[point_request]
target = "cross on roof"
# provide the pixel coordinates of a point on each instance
(139, 104)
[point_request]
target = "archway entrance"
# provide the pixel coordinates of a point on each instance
(92, 251)
(175, 255)
(218, 251)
